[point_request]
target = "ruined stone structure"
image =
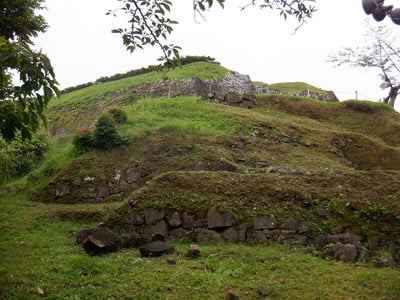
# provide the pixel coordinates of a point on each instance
(234, 89)
(326, 97)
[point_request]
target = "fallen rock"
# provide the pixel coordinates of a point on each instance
(156, 248)
(101, 241)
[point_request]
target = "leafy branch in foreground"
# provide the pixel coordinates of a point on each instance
(149, 23)
(27, 79)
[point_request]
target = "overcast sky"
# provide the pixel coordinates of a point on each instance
(256, 42)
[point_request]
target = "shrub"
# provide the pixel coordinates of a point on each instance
(118, 115)
(19, 157)
(83, 140)
(105, 135)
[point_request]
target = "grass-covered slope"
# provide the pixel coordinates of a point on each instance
(342, 159)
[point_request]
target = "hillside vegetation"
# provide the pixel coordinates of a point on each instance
(292, 156)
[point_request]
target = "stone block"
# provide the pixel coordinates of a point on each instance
(152, 216)
(217, 219)
(264, 222)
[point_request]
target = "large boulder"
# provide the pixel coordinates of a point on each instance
(100, 241)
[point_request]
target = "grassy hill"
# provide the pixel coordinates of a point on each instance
(343, 158)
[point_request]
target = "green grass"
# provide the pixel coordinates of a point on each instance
(202, 70)
(295, 87)
(39, 251)
(185, 115)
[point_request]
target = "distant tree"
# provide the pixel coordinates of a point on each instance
(27, 80)
(150, 24)
(380, 50)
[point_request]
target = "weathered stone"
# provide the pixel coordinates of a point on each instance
(193, 251)
(156, 248)
(134, 240)
(101, 241)
(188, 221)
(344, 238)
(152, 216)
(222, 166)
(256, 236)
(207, 236)
(282, 235)
(134, 217)
(217, 219)
(160, 227)
(233, 97)
(178, 234)
(289, 224)
(230, 235)
(174, 220)
(264, 222)
(345, 252)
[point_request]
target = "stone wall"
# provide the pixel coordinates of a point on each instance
(326, 97)
(219, 226)
(234, 89)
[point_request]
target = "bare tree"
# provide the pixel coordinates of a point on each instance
(380, 50)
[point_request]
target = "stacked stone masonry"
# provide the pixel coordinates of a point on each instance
(219, 226)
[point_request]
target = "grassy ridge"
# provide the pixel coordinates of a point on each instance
(202, 70)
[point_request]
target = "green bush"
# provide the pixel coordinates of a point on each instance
(118, 115)
(19, 157)
(105, 135)
(83, 140)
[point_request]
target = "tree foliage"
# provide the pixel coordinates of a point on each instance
(380, 50)
(27, 79)
(149, 22)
